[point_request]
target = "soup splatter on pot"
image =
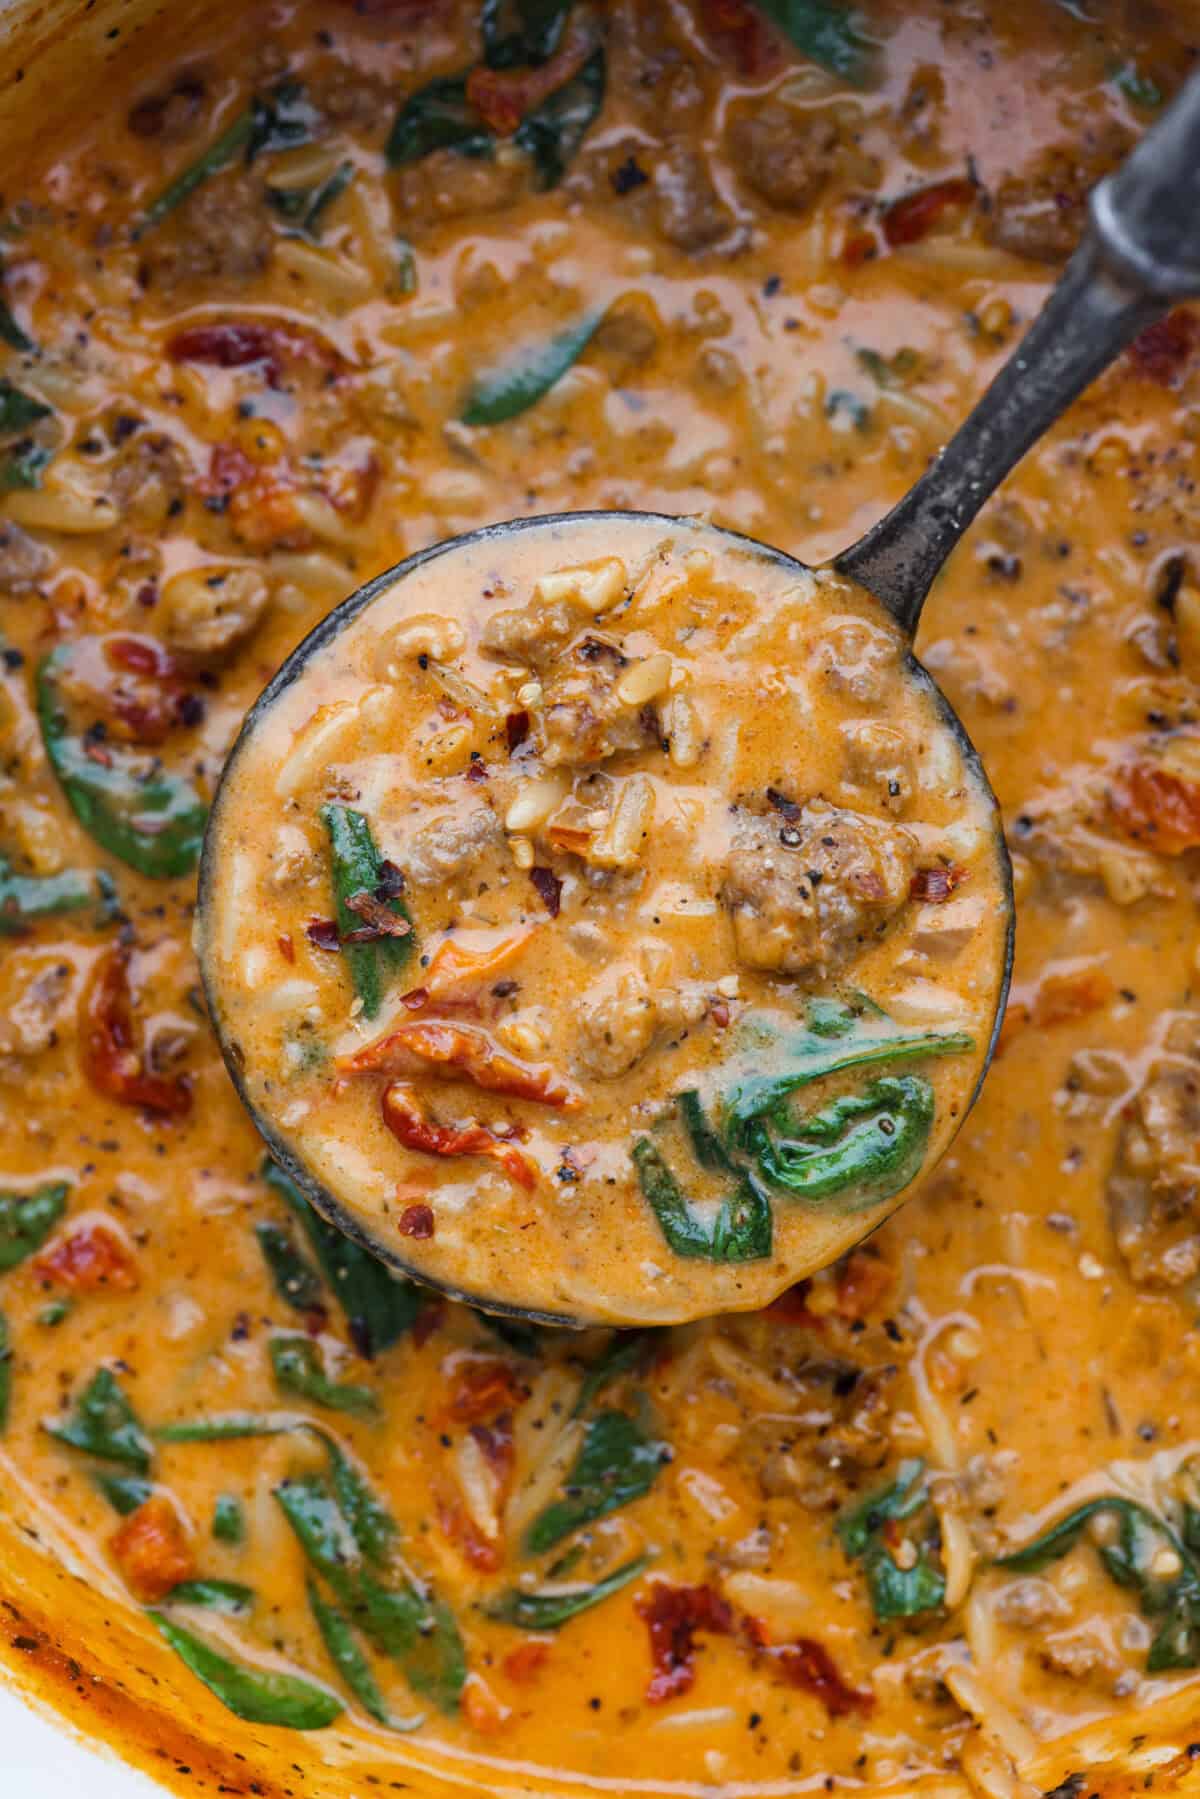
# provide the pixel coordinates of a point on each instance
(302, 299)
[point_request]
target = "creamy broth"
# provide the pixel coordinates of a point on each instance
(760, 1553)
(646, 810)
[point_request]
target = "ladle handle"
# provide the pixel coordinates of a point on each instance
(1141, 253)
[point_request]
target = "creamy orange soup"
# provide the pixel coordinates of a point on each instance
(631, 853)
(281, 1522)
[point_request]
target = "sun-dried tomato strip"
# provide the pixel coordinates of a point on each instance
(739, 32)
(807, 1664)
(406, 1121)
(1158, 808)
(502, 97)
(484, 1389)
(152, 1550)
(913, 216)
(91, 1259)
(241, 343)
(673, 1616)
(461, 1530)
(452, 967)
(110, 1061)
(468, 1051)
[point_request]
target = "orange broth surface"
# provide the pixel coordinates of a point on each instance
(756, 1554)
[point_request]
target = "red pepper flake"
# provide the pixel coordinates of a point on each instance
(718, 1011)
(808, 1665)
(323, 933)
(110, 1061)
(526, 1660)
(673, 1615)
(378, 919)
(549, 888)
(476, 771)
(1163, 350)
(935, 885)
(913, 216)
(416, 1221)
(516, 730)
(287, 948)
(89, 1260)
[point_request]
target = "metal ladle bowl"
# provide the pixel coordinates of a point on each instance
(1140, 255)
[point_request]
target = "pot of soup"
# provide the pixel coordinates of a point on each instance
(289, 295)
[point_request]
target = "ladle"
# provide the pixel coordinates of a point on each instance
(1140, 254)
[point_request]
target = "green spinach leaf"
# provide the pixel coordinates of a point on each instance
(305, 207)
(104, 1424)
(811, 1054)
(19, 410)
(516, 32)
(516, 385)
(299, 1368)
(379, 1306)
(228, 1522)
(741, 1230)
(337, 1634)
(864, 1146)
(11, 332)
(257, 1695)
(149, 818)
(410, 1625)
(896, 1592)
(552, 133)
(359, 871)
(438, 117)
(296, 1280)
(220, 153)
(828, 34)
(124, 1492)
(628, 1351)
(618, 1463)
(26, 898)
(550, 1610)
(23, 464)
(227, 1596)
(1148, 1557)
(27, 1219)
(281, 119)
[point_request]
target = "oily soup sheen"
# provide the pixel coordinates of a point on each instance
(290, 301)
(681, 841)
